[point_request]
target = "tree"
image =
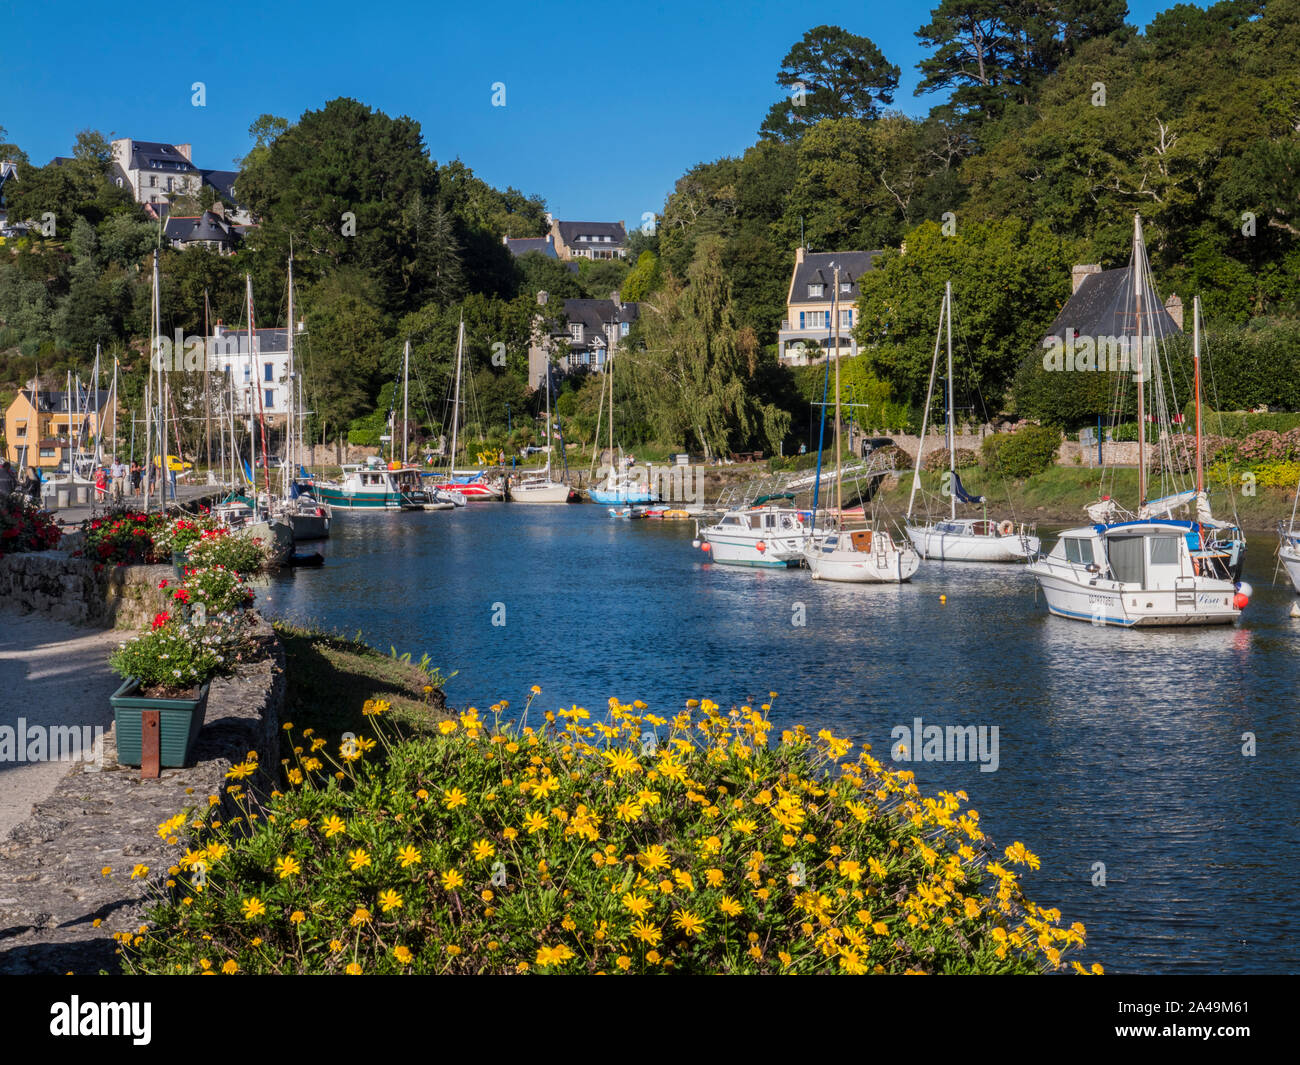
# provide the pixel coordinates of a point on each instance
(696, 369)
(643, 278)
(830, 73)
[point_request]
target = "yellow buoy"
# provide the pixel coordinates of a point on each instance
(943, 598)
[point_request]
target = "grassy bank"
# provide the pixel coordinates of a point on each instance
(1059, 495)
(330, 678)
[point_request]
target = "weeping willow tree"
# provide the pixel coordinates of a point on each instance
(696, 373)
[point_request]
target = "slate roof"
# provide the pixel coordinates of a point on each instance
(594, 316)
(221, 180)
(523, 245)
(571, 231)
(189, 228)
(817, 268)
(56, 401)
(270, 341)
(151, 155)
(1104, 305)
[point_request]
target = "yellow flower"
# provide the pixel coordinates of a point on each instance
(230, 967)
(483, 850)
(714, 877)
(139, 870)
(653, 858)
(687, 922)
(535, 690)
(333, 826)
(408, 856)
(287, 866)
(638, 905)
(730, 906)
(389, 900)
(623, 962)
(453, 798)
(553, 955)
(744, 826)
(252, 908)
(358, 859)
(106, 870)
(647, 933)
(353, 969)
(403, 955)
(880, 928)
(297, 917)
(535, 822)
(452, 880)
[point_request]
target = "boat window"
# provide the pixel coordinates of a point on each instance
(730, 519)
(1126, 558)
(1164, 550)
(829, 545)
(1078, 550)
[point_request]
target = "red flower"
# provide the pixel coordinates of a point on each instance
(181, 595)
(162, 583)
(159, 620)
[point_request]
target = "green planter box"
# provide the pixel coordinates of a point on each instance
(179, 562)
(179, 723)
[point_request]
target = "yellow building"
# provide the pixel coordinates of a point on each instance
(42, 427)
(807, 330)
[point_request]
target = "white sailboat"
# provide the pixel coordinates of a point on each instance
(471, 485)
(542, 489)
(961, 539)
(308, 517)
(861, 555)
(1151, 570)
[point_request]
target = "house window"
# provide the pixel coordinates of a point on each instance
(575, 331)
(266, 372)
(247, 375)
(816, 291)
(21, 429)
(153, 181)
(47, 452)
(816, 319)
(623, 327)
(846, 287)
(269, 401)
(846, 319)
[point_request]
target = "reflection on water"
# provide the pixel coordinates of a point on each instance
(1116, 746)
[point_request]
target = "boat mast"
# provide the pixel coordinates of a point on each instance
(207, 387)
(839, 479)
(925, 414)
(455, 401)
(1196, 363)
(148, 390)
(548, 421)
(952, 435)
(290, 455)
(252, 384)
(1138, 286)
(406, 377)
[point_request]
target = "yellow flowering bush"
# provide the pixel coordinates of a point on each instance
(635, 843)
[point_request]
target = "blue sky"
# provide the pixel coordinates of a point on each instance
(606, 106)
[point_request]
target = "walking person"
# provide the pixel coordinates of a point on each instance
(101, 485)
(31, 486)
(8, 482)
(119, 472)
(136, 473)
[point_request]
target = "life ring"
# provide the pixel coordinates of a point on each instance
(1006, 528)
(761, 546)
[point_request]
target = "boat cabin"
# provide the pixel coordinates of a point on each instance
(1154, 555)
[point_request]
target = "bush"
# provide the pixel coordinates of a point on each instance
(582, 847)
(25, 527)
(175, 655)
(1029, 450)
(214, 588)
(122, 538)
(233, 551)
(938, 460)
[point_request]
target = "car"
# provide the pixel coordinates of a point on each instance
(175, 464)
(875, 443)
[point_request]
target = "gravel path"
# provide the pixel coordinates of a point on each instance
(51, 674)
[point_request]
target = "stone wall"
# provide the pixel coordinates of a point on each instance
(80, 592)
(1114, 453)
(51, 886)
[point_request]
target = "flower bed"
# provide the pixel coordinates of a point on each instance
(25, 527)
(122, 539)
(585, 846)
(220, 547)
(214, 588)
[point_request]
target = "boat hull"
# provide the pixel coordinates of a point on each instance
(307, 526)
(621, 496)
(1291, 560)
(545, 493)
(741, 551)
(363, 501)
(1211, 604)
(962, 547)
(862, 567)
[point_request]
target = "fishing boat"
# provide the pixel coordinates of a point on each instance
(373, 487)
(961, 539)
(858, 556)
(1149, 569)
(767, 534)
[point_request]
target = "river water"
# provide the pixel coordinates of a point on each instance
(1115, 747)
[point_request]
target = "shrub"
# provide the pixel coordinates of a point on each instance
(179, 534)
(584, 847)
(1029, 450)
(233, 551)
(214, 588)
(25, 527)
(122, 538)
(938, 460)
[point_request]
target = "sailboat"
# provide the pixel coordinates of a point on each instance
(861, 555)
(307, 516)
(542, 489)
(466, 485)
(1151, 569)
(619, 489)
(960, 539)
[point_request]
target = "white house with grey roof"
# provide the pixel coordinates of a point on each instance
(590, 330)
(588, 240)
(812, 299)
(154, 171)
(260, 375)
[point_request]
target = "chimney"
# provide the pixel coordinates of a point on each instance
(550, 220)
(541, 299)
(1079, 273)
(1174, 307)
(505, 241)
(614, 296)
(185, 150)
(798, 255)
(550, 239)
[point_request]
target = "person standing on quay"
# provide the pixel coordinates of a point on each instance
(119, 472)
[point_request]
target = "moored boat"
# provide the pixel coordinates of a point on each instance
(766, 535)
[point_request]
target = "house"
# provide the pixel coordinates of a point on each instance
(523, 245)
(811, 300)
(1102, 304)
(588, 240)
(209, 230)
(8, 171)
(260, 377)
(592, 331)
(42, 426)
(153, 171)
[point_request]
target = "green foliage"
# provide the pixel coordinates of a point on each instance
(643, 278)
(830, 73)
(1030, 450)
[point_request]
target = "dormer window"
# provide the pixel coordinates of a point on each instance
(816, 291)
(575, 331)
(846, 287)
